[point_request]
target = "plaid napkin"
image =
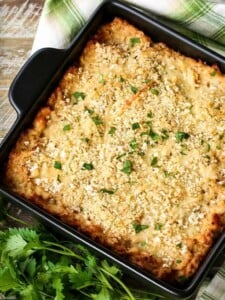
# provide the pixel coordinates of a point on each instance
(203, 21)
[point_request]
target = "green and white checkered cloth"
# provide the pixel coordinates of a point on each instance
(200, 20)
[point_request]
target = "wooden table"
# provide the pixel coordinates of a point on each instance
(18, 24)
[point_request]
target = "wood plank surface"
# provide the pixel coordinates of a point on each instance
(18, 24)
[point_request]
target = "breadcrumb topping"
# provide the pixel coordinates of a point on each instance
(134, 143)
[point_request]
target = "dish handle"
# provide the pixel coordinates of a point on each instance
(34, 77)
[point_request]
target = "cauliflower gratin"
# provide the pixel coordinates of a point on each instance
(129, 149)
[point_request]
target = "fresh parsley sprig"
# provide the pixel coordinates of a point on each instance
(37, 265)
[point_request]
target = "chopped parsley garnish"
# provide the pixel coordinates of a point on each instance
(150, 114)
(110, 192)
(90, 111)
(158, 226)
(184, 148)
(139, 227)
(143, 244)
(112, 130)
(122, 79)
(141, 153)
(127, 167)
(165, 134)
(58, 178)
(179, 245)
(86, 140)
(67, 127)
(213, 73)
(58, 165)
(180, 136)
(155, 91)
(87, 166)
(208, 147)
(134, 89)
(121, 155)
(102, 80)
(135, 126)
(178, 261)
(133, 144)
(168, 174)
(79, 96)
(134, 40)
(153, 135)
(154, 161)
(97, 120)
(147, 80)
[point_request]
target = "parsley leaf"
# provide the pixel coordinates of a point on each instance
(112, 130)
(127, 167)
(135, 126)
(78, 96)
(134, 40)
(180, 136)
(58, 165)
(133, 144)
(154, 161)
(35, 264)
(139, 227)
(134, 89)
(87, 166)
(155, 91)
(107, 191)
(67, 127)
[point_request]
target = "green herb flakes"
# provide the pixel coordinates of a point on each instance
(143, 244)
(127, 167)
(87, 166)
(102, 80)
(134, 40)
(179, 245)
(180, 136)
(139, 227)
(121, 155)
(158, 226)
(58, 165)
(135, 126)
(86, 140)
(121, 79)
(154, 161)
(141, 153)
(97, 120)
(208, 147)
(110, 192)
(67, 127)
(133, 144)
(150, 114)
(213, 73)
(153, 135)
(134, 89)
(165, 134)
(155, 91)
(112, 130)
(178, 261)
(90, 111)
(78, 96)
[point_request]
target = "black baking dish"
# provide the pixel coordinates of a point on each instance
(37, 79)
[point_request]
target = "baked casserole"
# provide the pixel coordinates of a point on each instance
(130, 150)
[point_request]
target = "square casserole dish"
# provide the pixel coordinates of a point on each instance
(34, 84)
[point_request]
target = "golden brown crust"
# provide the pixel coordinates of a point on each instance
(130, 150)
